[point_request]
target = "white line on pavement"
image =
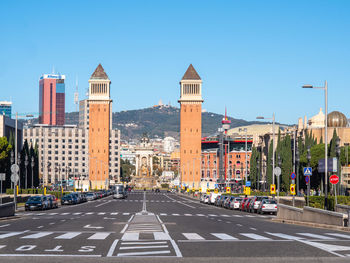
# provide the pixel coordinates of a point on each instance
(112, 248)
(104, 203)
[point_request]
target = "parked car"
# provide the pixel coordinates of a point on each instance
(201, 200)
(206, 199)
(222, 200)
(235, 203)
(90, 196)
(52, 200)
(268, 206)
(213, 197)
(69, 199)
(257, 201)
(228, 202)
(244, 200)
(35, 203)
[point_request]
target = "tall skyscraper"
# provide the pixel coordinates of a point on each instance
(190, 127)
(6, 108)
(52, 99)
(100, 125)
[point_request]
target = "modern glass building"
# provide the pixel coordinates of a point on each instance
(6, 108)
(52, 99)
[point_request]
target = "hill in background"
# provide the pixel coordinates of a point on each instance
(159, 121)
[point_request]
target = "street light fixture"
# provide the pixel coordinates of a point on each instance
(325, 88)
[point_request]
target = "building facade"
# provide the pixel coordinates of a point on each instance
(190, 127)
(84, 114)
(8, 129)
(6, 108)
(100, 125)
(63, 152)
(52, 99)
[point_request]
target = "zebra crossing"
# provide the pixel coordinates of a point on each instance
(156, 234)
(127, 214)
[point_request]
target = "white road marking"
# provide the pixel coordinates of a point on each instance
(131, 236)
(237, 215)
(161, 236)
(141, 247)
(102, 213)
(188, 214)
(52, 223)
(11, 234)
(99, 236)
(179, 202)
(162, 214)
(37, 235)
(238, 225)
(224, 236)
(255, 236)
(193, 236)
(113, 214)
(77, 213)
(112, 248)
(144, 243)
(64, 214)
(252, 228)
(5, 225)
(339, 235)
(68, 235)
(326, 247)
(126, 214)
(225, 215)
(103, 203)
(200, 215)
(124, 229)
(284, 236)
(52, 214)
(144, 253)
(40, 226)
(212, 215)
(89, 213)
(316, 236)
(96, 227)
(175, 214)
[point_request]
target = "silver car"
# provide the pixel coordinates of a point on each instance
(268, 206)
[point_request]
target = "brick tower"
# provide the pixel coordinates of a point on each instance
(190, 127)
(100, 122)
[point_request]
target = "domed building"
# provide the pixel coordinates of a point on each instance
(337, 119)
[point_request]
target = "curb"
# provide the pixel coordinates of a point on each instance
(301, 223)
(9, 218)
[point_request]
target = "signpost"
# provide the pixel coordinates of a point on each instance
(307, 174)
(2, 178)
(248, 183)
(334, 179)
(278, 172)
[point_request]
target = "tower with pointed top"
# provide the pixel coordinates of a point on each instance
(100, 125)
(190, 127)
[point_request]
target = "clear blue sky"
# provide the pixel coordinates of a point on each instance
(253, 56)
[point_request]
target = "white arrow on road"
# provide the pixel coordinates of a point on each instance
(95, 227)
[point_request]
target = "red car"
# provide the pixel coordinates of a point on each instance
(243, 203)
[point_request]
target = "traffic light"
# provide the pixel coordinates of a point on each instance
(273, 189)
(292, 189)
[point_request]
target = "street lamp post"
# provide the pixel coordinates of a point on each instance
(32, 165)
(325, 88)
(12, 160)
(279, 176)
(26, 164)
(246, 153)
(273, 143)
(19, 171)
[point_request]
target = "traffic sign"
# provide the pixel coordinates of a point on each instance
(216, 191)
(293, 175)
(247, 190)
(200, 190)
(273, 189)
(228, 190)
(307, 171)
(248, 183)
(2, 177)
(14, 168)
(292, 189)
(277, 171)
(14, 177)
(334, 179)
(208, 191)
(307, 179)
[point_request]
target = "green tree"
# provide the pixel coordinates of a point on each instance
(5, 149)
(126, 170)
(332, 146)
(287, 165)
(269, 164)
(254, 170)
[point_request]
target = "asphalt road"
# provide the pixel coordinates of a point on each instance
(163, 227)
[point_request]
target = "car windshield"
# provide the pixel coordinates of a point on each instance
(238, 199)
(90, 194)
(259, 198)
(35, 198)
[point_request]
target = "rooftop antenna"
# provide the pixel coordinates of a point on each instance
(53, 69)
(76, 94)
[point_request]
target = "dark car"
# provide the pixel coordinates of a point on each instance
(157, 190)
(69, 199)
(35, 203)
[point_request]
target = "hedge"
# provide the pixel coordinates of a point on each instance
(318, 201)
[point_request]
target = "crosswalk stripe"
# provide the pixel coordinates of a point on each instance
(188, 214)
(126, 214)
(77, 213)
(143, 243)
(316, 236)
(10, 234)
(237, 215)
(339, 235)
(63, 214)
(102, 213)
(175, 214)
(224, 236)
(89, 213)
(254, 236)
(38, 235)
(68, 235)
(52, 214)
(99, 236)
(225, 215)
(161, 236)
(114, 214)
(285, 236)
(141, 247)
(143, 253)
(131, 236)
(249, 216)
(200, 215)
(212, 215)
(162, 214)
(193, 236)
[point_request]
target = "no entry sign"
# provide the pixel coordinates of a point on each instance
(334, 179)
